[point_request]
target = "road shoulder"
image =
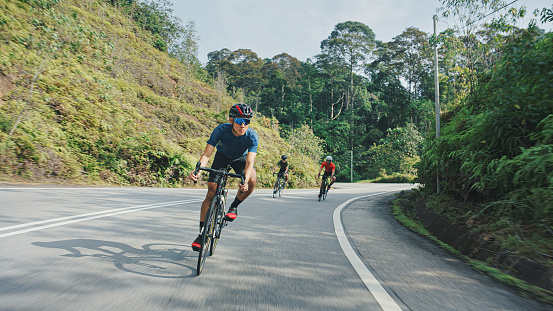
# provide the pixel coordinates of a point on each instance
(418, 272)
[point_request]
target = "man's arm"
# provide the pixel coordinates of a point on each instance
(203, 160)
(250, 159)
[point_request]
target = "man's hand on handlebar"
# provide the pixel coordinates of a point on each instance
(195, 174)
(243, 188)
(193, 177)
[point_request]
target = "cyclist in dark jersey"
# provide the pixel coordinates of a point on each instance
(236, 145)
(330, 170)
(283, 163)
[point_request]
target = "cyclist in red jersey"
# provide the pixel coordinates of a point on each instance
(330, 169)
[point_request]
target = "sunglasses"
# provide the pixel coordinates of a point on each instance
(241, 121)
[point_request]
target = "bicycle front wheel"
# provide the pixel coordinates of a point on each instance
(325, 189)
(207, 235)
(321, 191)
(275, 188)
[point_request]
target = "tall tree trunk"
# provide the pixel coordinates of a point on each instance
(332, 104)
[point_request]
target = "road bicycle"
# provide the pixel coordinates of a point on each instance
(215, 219)
(324, 188)
(279, 185)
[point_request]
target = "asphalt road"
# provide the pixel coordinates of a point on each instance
(123, 248)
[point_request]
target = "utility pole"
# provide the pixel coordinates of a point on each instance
(351, 165)
(436, 97)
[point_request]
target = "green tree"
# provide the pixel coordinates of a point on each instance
(242, 67)
(470, 17)
(352, 43)
(185, 47)
(411, 58)
(333, 69)
(289, 66)
(157, 17)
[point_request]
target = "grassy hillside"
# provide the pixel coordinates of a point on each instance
(86, 98)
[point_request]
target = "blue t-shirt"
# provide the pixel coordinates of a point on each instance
(231, 146)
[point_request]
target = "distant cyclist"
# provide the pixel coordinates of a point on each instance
(236, 145)
(283, 163)
(330, 169)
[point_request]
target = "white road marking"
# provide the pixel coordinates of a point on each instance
(382, 297)
(89, 216)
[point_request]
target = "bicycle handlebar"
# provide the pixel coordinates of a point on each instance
(220, 172)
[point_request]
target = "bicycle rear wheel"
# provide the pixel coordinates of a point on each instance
(219, 223)
(207, 235)
(280, 187)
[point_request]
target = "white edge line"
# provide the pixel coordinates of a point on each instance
(126, 210)
(382, 297)
(82, 215)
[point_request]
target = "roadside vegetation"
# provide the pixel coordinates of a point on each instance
(496, 151)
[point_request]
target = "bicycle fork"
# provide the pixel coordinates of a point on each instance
(221, 214)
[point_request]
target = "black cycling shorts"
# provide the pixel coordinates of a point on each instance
(326, 174)
(221, 161)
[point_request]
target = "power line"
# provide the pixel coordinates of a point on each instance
(506, 5)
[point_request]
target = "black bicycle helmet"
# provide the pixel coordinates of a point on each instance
(240, 110)
(284, 157)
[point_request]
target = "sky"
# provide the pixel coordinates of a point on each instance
(297, 27)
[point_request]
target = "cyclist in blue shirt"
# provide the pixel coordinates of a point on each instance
(236, 145)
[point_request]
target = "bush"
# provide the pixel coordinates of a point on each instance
(395, 154)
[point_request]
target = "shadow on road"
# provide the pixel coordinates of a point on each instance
(155, 259)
